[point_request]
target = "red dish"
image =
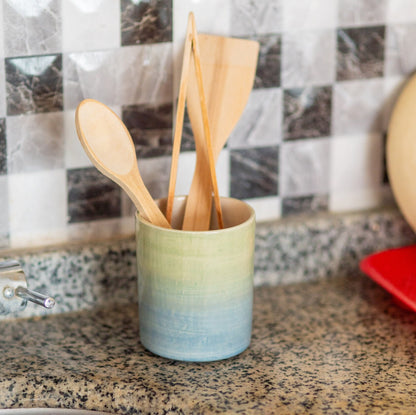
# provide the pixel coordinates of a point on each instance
(394, 270)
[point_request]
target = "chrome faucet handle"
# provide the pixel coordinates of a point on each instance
(14, 293)
(34, 297)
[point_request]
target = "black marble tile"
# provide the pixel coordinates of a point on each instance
(3, 147)
(360, 52)
(188, 141)
(148, 21)
(307, 112)
(254, 172)
(92, 196)
(268, 64)
(304, 204)
(34, 84)
(150, 127)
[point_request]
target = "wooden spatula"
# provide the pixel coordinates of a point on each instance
(228, 70)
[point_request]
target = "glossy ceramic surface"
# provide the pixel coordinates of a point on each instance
(196, 288)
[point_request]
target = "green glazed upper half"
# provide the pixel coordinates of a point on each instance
(195, 258)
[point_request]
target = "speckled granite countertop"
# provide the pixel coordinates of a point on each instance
(336, 345)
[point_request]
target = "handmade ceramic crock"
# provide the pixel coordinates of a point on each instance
(196, 288)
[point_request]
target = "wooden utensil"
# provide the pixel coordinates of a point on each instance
(203, 142)
(401, 152)
(108, 144)
(228, 70)
(180, 112)
(204, 147)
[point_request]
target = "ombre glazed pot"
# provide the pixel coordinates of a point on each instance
(196, 288)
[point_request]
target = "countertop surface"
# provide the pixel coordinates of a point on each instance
(337, 345)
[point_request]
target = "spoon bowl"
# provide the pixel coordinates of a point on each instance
(109, 146)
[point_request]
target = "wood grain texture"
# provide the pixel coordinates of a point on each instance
(180, 113)
(401, 152)
(109, 146)
(204, 144)
(228, 70)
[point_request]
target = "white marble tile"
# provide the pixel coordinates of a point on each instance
(399, 11)
(356, 199)
(308, 58)
(357, 106)
(155, 173)
(146, 75)
(255, 17)
(223, 172)
(31, 27)
(35, 142)
(2, 72)
(2, 88)
(37, 208)
(124, 76)
(261, 122)
(356, 172)
(4, 211)
(361, 12)
(75, 156)
(309, 14)
(304, 167)
(400, 53)
(266, 208)
(186, 167)
(100, 230)
(212, 17)
(90, 25)
(1, 31)
(393, 86)
(86, 74)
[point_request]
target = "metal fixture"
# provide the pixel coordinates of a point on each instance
(14, 293)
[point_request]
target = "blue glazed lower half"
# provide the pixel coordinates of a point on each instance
(212, 334)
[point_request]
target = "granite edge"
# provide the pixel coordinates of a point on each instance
(295, 250)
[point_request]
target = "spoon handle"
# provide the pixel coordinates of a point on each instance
(146, 206)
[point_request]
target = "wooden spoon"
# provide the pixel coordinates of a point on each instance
(228, 70)
(108, 144)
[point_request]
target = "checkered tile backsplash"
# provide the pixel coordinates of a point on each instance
(311, 137)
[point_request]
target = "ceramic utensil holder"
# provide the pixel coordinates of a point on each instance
(196, 288)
